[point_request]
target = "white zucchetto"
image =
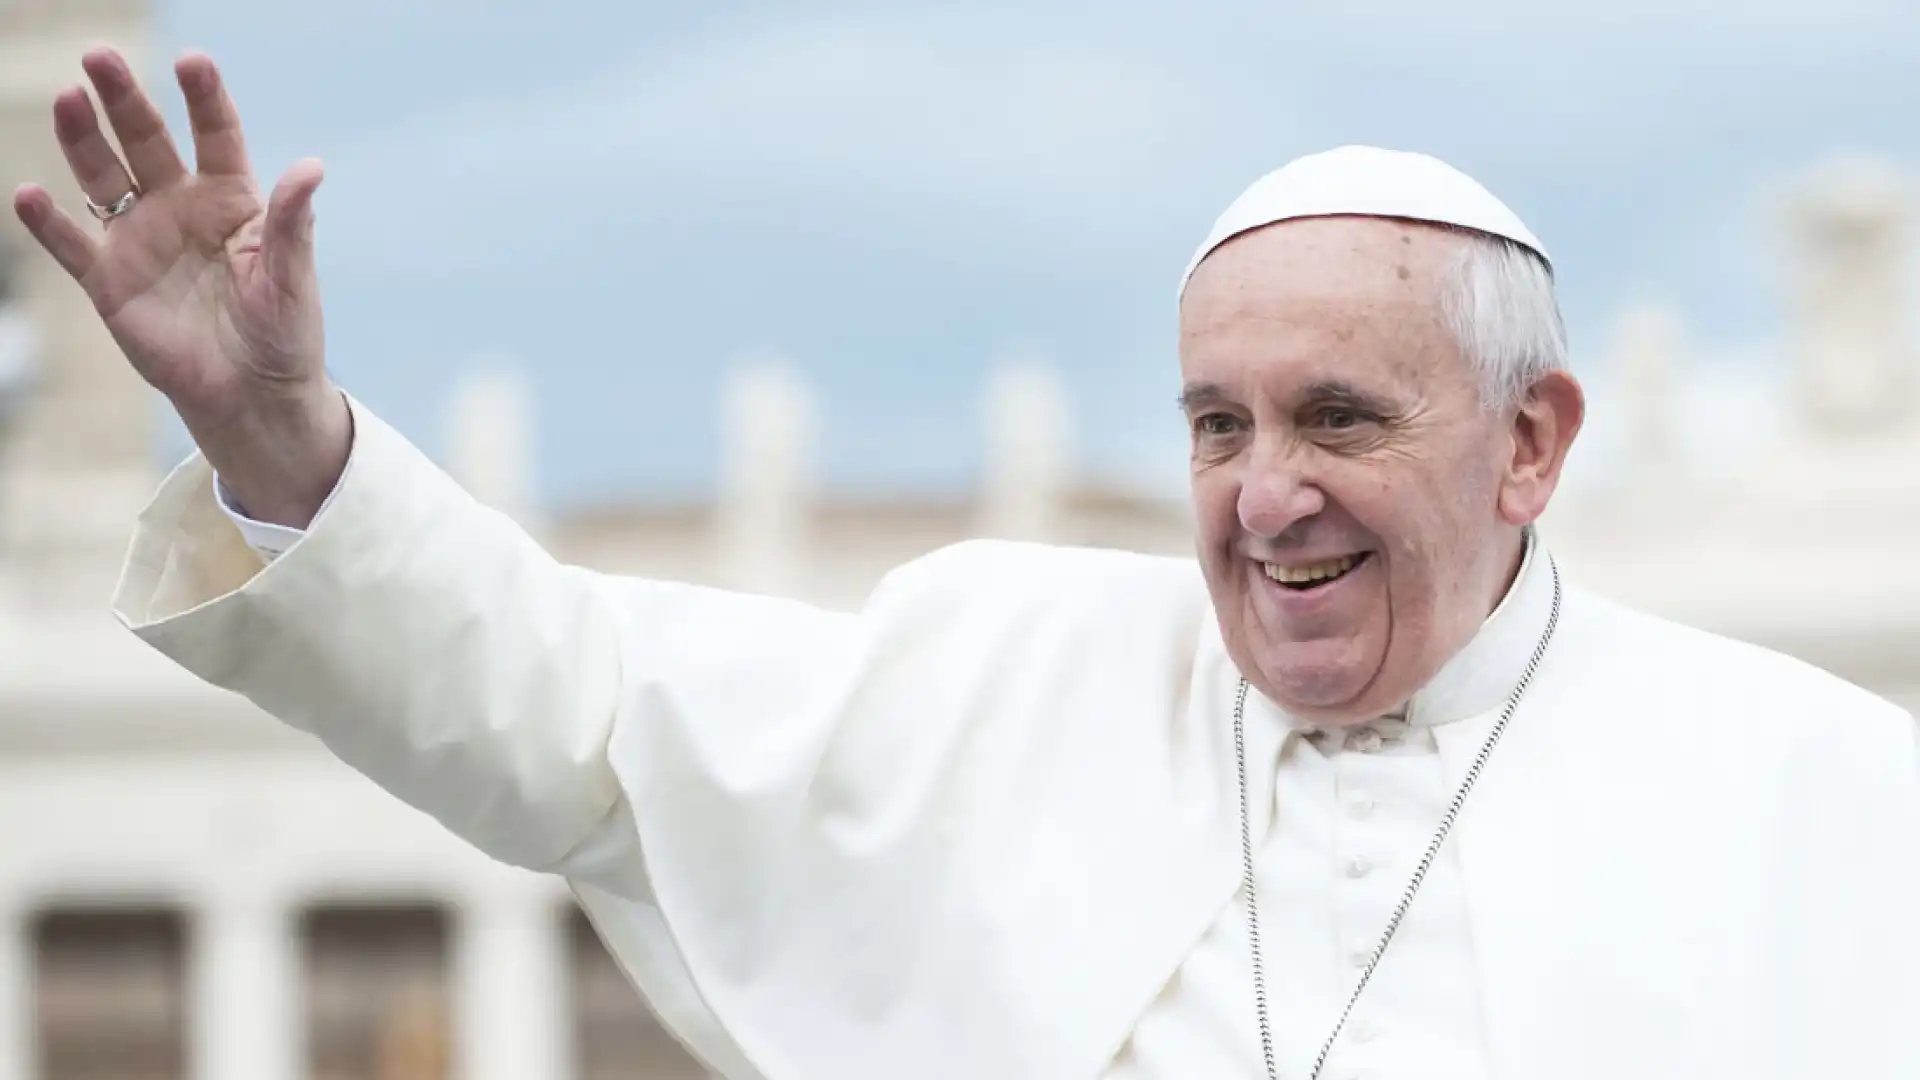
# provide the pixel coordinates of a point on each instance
(1369, 181)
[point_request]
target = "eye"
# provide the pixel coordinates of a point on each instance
(1341, 418)
(1215, 424)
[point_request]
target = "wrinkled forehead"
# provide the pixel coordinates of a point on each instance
(1349, 251)
(1360, 295)
(1353, 267)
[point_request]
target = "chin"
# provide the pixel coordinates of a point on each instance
(1323, 701)
(1323, 682)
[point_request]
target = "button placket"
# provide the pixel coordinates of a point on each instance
(1357, 829)
(1362, 834)
(1380, 818)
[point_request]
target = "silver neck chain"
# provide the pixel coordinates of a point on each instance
(1419, 873)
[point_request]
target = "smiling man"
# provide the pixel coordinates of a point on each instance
(1367, 789)
(1378, 406)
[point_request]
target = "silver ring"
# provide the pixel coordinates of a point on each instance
(120, 206)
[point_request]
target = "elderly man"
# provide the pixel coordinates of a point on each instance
(1366, 789)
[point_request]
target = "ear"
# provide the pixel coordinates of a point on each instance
(1544, 426)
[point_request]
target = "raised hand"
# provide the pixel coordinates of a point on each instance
(211, 294)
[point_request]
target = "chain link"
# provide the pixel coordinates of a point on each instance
(1419, 873)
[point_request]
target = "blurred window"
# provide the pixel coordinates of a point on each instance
(110, 997)
(377, 992)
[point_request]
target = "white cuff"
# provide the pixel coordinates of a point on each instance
(271, 541)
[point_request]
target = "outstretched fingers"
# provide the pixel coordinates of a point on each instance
(136, 121)
(70, 245)
(220, 148)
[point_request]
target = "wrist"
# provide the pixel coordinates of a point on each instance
(281, 459)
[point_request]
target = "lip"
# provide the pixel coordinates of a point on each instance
(1292, 603)
(1314, 560)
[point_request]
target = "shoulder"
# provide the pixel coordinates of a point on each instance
(1021, 587)
(1002, 570)
(1716, 677)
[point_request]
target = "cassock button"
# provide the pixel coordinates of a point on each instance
(1358, 867)
(1360, 805)
(1364, 1032)
(1360, 954)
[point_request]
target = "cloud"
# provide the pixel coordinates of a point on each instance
(1070, 123)
(867, 181)
(898, 115)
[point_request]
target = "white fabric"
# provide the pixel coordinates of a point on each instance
(1351, 814)
(1366, 180)
(977, 828)
(270, 540)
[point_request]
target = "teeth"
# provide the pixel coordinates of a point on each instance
(1297, 575)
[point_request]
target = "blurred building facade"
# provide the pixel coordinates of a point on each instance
(1807, 545)
(188, 889)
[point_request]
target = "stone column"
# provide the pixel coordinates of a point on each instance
(92, 412)
(1855, 364)
(764, 472)
(76, 464)
(17, 1037)
(510, 992)
(1028, 435)
(1646, 348)
(490, 430)
(246, 1000)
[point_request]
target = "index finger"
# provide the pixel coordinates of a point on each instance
(220, 149)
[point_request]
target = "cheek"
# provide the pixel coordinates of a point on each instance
(1373, 495)
(1433, 521)
(1413, 512)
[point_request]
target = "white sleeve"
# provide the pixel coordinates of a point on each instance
(436, 648)
(271, 541)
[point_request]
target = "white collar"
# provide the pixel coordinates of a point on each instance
(1479, 678)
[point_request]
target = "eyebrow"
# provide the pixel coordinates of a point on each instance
(1345, 393)
(1202, 394)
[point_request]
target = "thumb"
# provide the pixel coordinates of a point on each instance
(286, 243)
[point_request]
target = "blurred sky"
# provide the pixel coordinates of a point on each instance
(623, 198)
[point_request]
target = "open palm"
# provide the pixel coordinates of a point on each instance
(211, 293)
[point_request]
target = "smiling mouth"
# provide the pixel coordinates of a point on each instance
(1317, 575)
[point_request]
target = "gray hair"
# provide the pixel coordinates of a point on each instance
(1499, 303)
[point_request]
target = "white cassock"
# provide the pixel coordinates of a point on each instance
(987, 827)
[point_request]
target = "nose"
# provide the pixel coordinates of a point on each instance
(1275, 495)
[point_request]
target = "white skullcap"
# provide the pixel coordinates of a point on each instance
(1369, 181)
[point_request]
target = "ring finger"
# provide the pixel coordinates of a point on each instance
(96, 165)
